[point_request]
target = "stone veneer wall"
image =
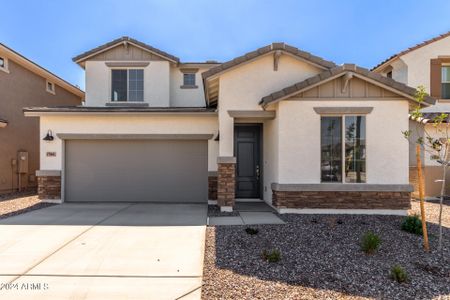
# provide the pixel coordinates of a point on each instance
(226, 184)
(341, 200)
(212, 187)
(49, 187)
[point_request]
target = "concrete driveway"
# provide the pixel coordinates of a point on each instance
(104, 251)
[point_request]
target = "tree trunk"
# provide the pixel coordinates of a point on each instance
(426, 244)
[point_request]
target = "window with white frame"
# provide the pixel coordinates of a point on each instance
(50, 87)
(127, 85)
(445, 82)
(343, 149)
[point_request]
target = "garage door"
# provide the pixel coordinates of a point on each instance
(136, 171)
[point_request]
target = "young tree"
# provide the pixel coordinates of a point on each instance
(435, 142)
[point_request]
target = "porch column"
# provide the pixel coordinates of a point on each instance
(226, 182)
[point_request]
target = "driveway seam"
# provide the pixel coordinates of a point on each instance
(70, 241)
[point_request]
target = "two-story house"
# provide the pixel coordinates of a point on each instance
(277, 124)
(24, 83)
(426, 64)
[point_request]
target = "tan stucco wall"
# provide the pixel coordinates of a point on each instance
(156, 83)
(299, 140)
(180, 97)
(124, 124)
(243, 88)
(22, 88)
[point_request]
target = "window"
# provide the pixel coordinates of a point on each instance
(389, 74)
(343, 149)
(445, 82)
(189, 79)
(4, 64)
(50, 87)
(127, 85)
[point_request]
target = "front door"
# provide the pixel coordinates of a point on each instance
(247, 139)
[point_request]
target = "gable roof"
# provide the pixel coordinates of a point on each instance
(424, 43)
(41, 71)
(338, 71)
(315, 60)
(124, 40)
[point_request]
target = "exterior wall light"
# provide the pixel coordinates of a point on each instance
(49, 137)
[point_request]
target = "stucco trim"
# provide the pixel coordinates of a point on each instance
(189, 70)
(48, 172)
(393, 212)
(250, 114)
(82, 136)
(127, 104)
(226, 160)
(188, 86)
(130, 64)
(342, 110)
(340, 187)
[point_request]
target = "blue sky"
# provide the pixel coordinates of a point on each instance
(51, 32)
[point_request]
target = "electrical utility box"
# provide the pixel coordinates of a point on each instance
(22, 162)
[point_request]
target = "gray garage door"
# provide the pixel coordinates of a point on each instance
(136, 171)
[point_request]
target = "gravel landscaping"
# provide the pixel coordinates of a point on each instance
(321, 258)
(19, 203)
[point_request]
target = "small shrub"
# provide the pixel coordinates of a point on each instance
(370, 242)
(251, 231)
(412, 224)
(399, 274)
(271, 256)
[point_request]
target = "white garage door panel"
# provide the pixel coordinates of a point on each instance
(136, 171)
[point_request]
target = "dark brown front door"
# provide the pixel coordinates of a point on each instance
(247, 140)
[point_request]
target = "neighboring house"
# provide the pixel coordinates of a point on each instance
(426, 64)
(276, 124)
(24, 83)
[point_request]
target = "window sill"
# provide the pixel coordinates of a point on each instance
(188, 87)
(50, 92)
(4, 70)
(127, 103)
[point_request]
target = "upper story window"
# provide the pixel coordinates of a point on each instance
(389, 74)
(189, 75)
(445, 82)
(3, 64)
(127, 85)
(189, 79)
(343, 149)
(50, 87)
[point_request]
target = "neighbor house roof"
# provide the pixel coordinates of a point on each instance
(336, 72)
(41, 71)
(124, 40)
(397, 55)
(431, 112)
(264, 50)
